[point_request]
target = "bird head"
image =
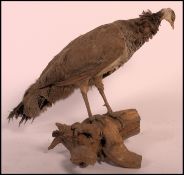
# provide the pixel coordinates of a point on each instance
(169, 15)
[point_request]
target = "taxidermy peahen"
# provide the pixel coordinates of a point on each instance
(88, 59)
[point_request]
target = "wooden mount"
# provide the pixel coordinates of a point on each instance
(101, 139)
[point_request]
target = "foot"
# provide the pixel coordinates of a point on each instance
(96, 118)
(115, 116)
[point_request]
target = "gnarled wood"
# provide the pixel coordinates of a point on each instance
(101, 139)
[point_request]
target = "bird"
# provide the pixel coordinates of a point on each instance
(87, 60)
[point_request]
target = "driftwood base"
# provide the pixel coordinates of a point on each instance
(101, 139)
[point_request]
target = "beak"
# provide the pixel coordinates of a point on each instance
(172, 25)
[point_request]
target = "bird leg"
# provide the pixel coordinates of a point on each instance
(100, 87)
(84, 89)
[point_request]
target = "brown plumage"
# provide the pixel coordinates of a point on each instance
(88, 59)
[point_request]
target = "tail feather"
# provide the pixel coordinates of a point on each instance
(18, 111)
(36, 101)
(42, 102)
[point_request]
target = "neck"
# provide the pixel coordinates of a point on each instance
(142, 29)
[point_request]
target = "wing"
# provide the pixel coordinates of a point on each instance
(85, 57)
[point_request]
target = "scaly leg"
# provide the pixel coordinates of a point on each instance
(84, 89)
(100, 87)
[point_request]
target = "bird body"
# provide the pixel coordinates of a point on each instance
(89, 54)
(88, 59)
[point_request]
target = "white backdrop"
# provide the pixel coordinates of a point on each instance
(151, 82)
